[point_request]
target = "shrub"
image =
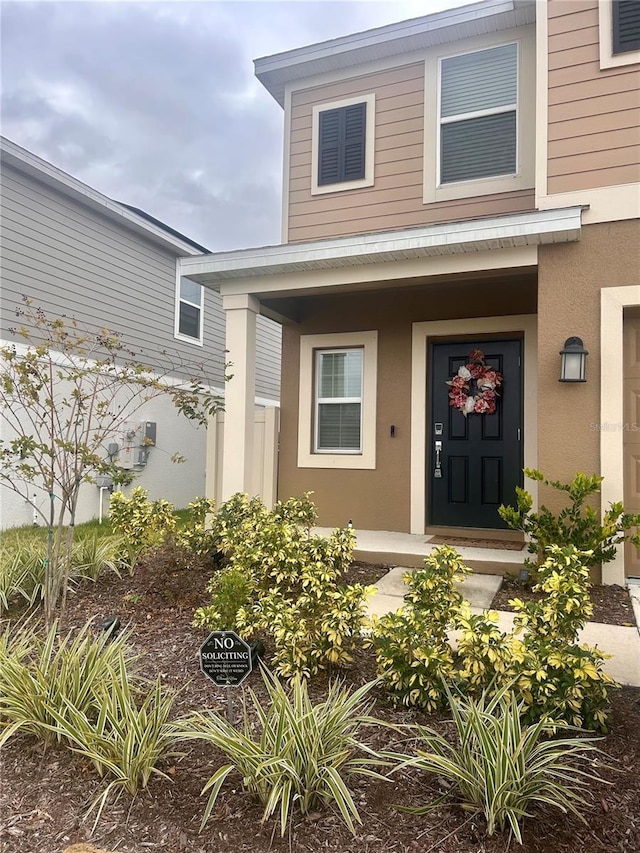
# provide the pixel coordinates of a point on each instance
(127, 739)
(559, 680)
(42, 676)
(501, 768)
(291, 580)
(230, 590)
(577, 524)
(196, 535)
(302, 754)
(141, 523)
(412, 647)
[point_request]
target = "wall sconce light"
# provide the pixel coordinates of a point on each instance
(573, 361)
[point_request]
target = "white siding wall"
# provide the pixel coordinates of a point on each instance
(71, 260)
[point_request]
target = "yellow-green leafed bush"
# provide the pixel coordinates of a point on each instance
(43, 675)
(290, 581)
(142, 523)
(556, 678)
(300, 756)
(412, 647)
(198, 534)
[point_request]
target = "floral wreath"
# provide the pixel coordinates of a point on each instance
(475, 387)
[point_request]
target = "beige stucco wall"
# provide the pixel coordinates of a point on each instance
(570, 277)
(380, 498)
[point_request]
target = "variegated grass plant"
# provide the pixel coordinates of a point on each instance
(302, 754)
(130, 736)
(502, 768)
(42, 675)
(22, 566)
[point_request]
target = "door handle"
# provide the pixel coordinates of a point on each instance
(438, 467)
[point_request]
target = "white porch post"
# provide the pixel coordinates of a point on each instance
(240, 313)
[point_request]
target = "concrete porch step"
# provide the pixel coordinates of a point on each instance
(408, 549)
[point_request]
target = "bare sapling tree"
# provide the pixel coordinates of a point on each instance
(66, 394)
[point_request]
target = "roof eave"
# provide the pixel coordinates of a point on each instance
(524, 229)
(278, 71)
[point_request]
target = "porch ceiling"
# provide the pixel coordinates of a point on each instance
(245, 267)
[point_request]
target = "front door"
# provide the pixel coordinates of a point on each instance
(475, 458)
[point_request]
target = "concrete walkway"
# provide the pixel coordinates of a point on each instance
(622, 643)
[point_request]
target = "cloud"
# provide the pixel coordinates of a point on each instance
(155, 104)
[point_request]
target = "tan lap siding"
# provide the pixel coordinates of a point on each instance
(594, 114)
(396, 198)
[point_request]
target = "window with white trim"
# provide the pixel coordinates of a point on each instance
(338, 401)
(337, 394)
(478, 115)
(189, 303)
(619, 24)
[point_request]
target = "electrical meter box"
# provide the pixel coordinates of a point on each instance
(146, 434)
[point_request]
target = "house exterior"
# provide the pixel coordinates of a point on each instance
(75, 252)
(461, 191)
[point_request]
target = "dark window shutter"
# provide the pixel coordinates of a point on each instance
(341, 146)
(626, 25)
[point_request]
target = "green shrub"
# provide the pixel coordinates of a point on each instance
(499, 767)
(557, 679)
(576, 524)
(142, 523)
(300, 757)
(129, 737)
(292, 580)
(197, 534)
(230, 590)
(41, 676)
(411, 645)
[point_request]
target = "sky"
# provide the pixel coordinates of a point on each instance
(155, 104)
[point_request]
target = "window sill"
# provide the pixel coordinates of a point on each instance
(187, 340)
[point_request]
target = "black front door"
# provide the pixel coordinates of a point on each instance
(474, 459)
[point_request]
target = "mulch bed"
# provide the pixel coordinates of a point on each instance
(44, 796)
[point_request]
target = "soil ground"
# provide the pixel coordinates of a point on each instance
(44, 796)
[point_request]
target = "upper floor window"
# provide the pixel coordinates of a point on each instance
(625, 25)
(343, 145)
(189, 299)
(619, 25)
(478, 115)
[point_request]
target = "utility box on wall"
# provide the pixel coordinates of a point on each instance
(136, 443)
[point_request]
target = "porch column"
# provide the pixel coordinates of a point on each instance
(240, 391)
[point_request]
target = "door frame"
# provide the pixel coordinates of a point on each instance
(525, 325)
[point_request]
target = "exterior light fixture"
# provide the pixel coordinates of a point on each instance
(573, 361)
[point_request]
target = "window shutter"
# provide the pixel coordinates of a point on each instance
(341, 146)
(626, 25)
